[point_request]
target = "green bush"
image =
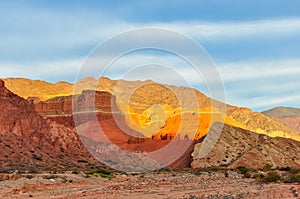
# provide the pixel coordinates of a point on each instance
(284, 169)
(292, 178)
(271, 177)
(242, 170)
(295, 171)
(197, 172)
(100, 173)
(247, 175)
(257, 176)
(104, 171)
(226, 174)
(267, 167)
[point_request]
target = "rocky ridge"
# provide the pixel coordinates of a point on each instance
(137, 106)
(238, 147)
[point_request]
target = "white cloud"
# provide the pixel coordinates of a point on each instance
(268, 102)
(262, 85)
(49, 35)
(225, 30)
(259, 69)
(64, 70)
(58, 31)
(258, 85)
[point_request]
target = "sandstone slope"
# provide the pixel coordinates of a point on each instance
(37, 89)
(238, 147)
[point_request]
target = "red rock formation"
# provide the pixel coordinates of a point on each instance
(18, 116)
(60, 109)
(100, 125)
(29, 141)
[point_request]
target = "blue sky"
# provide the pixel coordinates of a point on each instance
(254, 44)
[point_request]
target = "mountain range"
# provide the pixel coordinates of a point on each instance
(153, 113)
(138, 105)
(285, 115)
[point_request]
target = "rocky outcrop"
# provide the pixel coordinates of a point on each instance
(29, 141)
(237, 147)
(17, 115)
(98, 122)
(60, 109)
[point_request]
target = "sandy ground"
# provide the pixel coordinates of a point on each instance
(151, 185)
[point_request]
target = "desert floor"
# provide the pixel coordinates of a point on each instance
(149, 185)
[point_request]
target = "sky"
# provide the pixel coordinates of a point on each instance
(255, 45)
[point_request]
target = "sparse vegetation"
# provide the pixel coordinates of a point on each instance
(197, 172)
(244, 171)
(100, 173)
(226, 174)
(294, 176)
(284, 169)
(257, 175)
(266, 175)
(271, 176)
(267, 167)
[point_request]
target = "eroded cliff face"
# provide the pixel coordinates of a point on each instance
(17, 115)
(60, 109)
(237, 147)
(99, 121)
(29, 141)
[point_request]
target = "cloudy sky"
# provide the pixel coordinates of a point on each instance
(254, 44)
